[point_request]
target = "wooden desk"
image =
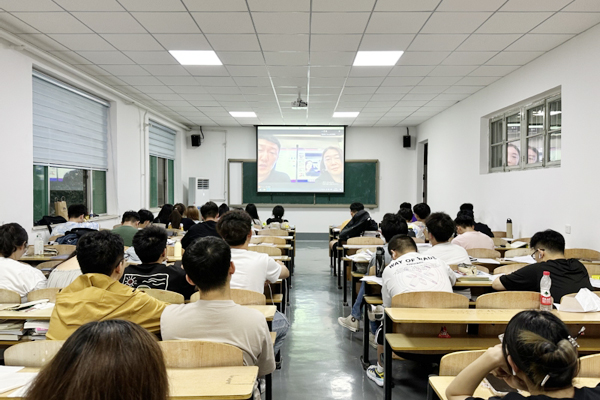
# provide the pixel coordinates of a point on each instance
(439, 384)
(43, 258)
(202, 383)
(483, 284)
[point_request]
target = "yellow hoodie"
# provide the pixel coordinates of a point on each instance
(98, 297)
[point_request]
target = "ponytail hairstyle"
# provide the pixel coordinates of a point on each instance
(11, 237)
(539, 344)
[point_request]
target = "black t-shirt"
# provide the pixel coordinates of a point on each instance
(568, 276)
(276, 177)
(483, 228)
(206, 228)
(158, 276)
(187, 223)
(585, 393)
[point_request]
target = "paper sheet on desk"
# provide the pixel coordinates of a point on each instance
(517, 244)
(373, 279)
(522, 259)
(485, 260)
(364, 256)
(584, 301)
(15, 380)
(595, 283)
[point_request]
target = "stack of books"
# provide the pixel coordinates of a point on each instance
(11, 330)
(36, 330)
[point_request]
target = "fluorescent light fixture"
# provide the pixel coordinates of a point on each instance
(345, 114)
(243, 114)
(196, 57)
(377, 58)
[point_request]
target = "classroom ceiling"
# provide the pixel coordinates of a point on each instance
(270, 49)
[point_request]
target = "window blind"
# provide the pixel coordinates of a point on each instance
(70, 127)
(162, 141)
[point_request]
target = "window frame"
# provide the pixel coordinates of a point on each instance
(168, 181)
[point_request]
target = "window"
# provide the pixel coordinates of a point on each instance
(162, 165)
(535, 127)
(70, 135)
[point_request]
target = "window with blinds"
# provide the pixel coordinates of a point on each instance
(162, 164)
(70, 140)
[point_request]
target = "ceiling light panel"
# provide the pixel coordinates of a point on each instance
(377, 58)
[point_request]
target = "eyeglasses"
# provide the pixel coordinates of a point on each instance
(535, 251)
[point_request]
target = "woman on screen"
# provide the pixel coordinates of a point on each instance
(332, 167)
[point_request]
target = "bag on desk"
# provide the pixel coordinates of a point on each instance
(60, 208)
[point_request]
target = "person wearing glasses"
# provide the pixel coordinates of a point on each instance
(97, 295)
(548, 251)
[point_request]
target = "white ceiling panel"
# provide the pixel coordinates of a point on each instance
(87, 5)
(417, 97)
(455, 22)
(468, 58)
(286, 58)
(233, 42)
(470, 5)
(215, 5)
(514, 57)
(43, 41)
(124, 42)
(212, 82)
(150, 89)
(331, 58)
(429, 89)
(151, 57)
(224, 22)
(534, 5)
(179, 41)
(381, 42)
(71, 57)
(536, 42)
(187, 90)
(409, 70)
(346, 5)
(390, 22)
(339, 22)
(334, 42)
(140, 80)
(20, 5)
(439, 80)
(374, 81)
(568, 23)
(126, 70)
(402, 81)
(251, 81)
(464, 89)
(86, 41)
(110, 22)
(406, 5)
(241, 58)
(278, 5)
(207, 70)
(270, 42)
(293, 82)
(329, 72)
(257, 71)
(153, 5)
(300, 72)
(510, 22)
(481, 42)
(395, 89)
(282, 22)
(584, 6)
(451, 96)
(53, 22)
(106, 57)
(15, 25)
(426, 58)
(488, 70)
(431, 42)
(447, 70)
(477, 80)
(171, 22)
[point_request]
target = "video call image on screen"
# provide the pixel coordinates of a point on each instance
(300, 159)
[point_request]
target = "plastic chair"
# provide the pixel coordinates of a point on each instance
(9, 297)
(483, 253)
(453, 363)
(200, 354)
(164, 295)
(49, 293)
(34, 354)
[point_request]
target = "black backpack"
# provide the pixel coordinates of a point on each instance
(72, 236)
(50, 220)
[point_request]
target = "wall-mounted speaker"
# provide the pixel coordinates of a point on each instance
(406, 141)
(195, 140)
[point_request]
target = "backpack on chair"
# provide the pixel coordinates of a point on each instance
(72, 236)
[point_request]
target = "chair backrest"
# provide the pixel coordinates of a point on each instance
(195, 297)
(164, 295)
(499, 234)
(248, 297)
(366, 240)
(589, 366)
(507, 269)
(483, 253)
(593, 269)
(429, 300)
(499, 241)
(268, 239)
(34, 354)
(270, 250)
(200, 354)
(48, 264)
(49, 293)
(453, 363)
(508, 300)
(479, 267)
(526, 240)
(9, 296)
(64, 248)
(273, 232)
(54, 237)
(523, 251)
(583, 254)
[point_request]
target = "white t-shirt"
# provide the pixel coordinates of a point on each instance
(474, 240)
(414, 272)
(449, 253)
(67, 226)
(20, 277)
(222, 321)
(252, 269)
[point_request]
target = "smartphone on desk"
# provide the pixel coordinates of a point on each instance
(498, 386)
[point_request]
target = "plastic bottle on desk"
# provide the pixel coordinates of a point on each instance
(177, 252)
(545, 296)
(38, 245)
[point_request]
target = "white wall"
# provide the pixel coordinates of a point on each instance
(535, 199)
(126, 177)
(396, 170)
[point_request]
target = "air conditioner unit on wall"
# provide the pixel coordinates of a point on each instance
(198, 191)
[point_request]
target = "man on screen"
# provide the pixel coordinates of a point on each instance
(268, 153)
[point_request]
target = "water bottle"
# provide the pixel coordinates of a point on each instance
(177, 252)
(545, 297)
(379, 257)
(509, 233)
(38, 245)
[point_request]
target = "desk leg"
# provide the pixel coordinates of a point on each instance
(387, 368)
(269, 387)
(345, 277)
(364, 359)
(339, 267)
(290, 267)
(284, 291)
(352, 287)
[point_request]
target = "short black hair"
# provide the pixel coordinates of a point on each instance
(278, 212)
(422, 210)
(12, 236)
(234, 227)
(130, 216)
(149, 243)
(466, 207)
(356, 206)
(75, 210)
(464, 220)
(270, 138)
(549, 240)
(223, 208)
(405, 213)
(206, 261)
(100, 252)
(392, 225)
(209, 210)
(145, 215)
(441, 226)
(402, 244)
(406, 205)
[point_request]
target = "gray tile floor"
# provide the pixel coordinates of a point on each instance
(321, 359)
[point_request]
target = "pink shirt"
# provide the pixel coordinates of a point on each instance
(474, 240)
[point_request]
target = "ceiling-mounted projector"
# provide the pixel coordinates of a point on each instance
(299, 104)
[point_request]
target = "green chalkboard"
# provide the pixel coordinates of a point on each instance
(361, 185)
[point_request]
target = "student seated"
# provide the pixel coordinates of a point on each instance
(65, 272)
(164, 215)
(278, 212)
(440, 229)
(421, 211)
(215, 317)
(150, 245)
(193, 217)
(408, 272)
(223, 208)
(97, 295)
(468, 237)
(112, 359)
(208, 227)
(406, 214)
(361, 221)
(129, 227)
(537, 354)
(16, 276)
(479, 226)
(548, 251)
(77, 213)
(252, 269)
(253, 212)
(146, 218)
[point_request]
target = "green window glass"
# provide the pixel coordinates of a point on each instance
(153, 181)
(40, 192)
(99, 192)
(171, 181)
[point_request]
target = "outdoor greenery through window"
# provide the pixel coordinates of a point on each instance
(527, 137)
(162, 187)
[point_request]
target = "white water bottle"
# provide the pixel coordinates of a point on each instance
(38, 245)
(545, 297)
(177, 252)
